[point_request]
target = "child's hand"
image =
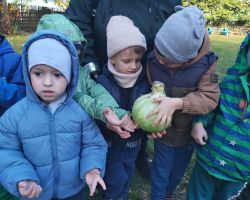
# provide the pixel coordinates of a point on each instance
(126, 122)
(119, 131)
(29, 189)
(92, 179)
(199, 133)
(166, 109)
(157, 135)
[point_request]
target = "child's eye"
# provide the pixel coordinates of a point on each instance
(58, 75)
(37, 73)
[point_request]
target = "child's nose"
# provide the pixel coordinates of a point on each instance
(133, 65)
(48, 80)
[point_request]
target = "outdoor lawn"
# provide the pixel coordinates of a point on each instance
(226, 47)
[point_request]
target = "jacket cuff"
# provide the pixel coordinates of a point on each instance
(186, 104)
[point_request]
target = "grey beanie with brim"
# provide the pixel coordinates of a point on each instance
(182, 34)
(50, 52)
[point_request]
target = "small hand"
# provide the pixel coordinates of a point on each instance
(165, 110)
(126, 122)
(92, 179)
(119, 131)
(199, 133)
(157, 135)
(29, 189)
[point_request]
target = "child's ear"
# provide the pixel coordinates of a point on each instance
(112, 60)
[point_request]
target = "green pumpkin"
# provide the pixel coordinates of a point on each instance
(144, 105)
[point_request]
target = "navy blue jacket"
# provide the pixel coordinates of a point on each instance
(141, 87)
(12, 87)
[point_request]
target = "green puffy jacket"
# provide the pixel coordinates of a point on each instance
(93, 97)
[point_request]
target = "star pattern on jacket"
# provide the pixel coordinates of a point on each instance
(222, 162)
(232, 142)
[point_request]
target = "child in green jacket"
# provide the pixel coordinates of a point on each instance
(223, 156)
(93, 97)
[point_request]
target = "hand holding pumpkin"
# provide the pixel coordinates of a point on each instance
(167, 106)
(145, 111)
(157, 135)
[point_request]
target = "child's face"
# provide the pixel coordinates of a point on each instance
(127, 61)
(48, 83)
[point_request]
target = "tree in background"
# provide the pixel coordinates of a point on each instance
(221, 12)
(5, 25)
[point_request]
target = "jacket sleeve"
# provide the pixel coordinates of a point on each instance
(94, 98)
(94, 148)
(80, 12)
(206, 97)
(14, 167)
(12, 88)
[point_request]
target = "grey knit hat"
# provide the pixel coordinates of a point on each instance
(50, 52)
(182, 34)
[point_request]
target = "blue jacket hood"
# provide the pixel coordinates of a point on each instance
(5, 46)
(74, 60)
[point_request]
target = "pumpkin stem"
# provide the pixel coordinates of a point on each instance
(157, 87)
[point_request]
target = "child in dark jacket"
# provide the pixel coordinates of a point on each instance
(223, 155)
(183, 61)
(125, 78)
(50, 148)
(12, 87)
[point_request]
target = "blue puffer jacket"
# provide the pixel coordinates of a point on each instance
(56, 150)
(12, 87)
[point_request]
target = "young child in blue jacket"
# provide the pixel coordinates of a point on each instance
(125, 79)
(50, 148)
(12, 87)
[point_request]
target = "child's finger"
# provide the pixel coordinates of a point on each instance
(39, 190)
(27, 191)
(163, 120)
(205, 137)
(153, 112)
(158, 99)
(92, 188)
(101, 182)
(157, 119)
(34, 191)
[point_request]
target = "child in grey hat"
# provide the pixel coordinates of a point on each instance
(50, 147)
(183, 61)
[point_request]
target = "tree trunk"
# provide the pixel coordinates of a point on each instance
(5, 19)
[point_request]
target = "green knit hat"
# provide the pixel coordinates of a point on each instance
(60, 23)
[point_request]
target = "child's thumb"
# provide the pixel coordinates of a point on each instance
(22, 184)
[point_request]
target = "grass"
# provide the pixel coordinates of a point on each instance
(226, 47)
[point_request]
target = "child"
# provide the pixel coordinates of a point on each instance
(125, 78)
(95, 99)
(222, 165)
(182, 60)
(12, 87)
(49, 146)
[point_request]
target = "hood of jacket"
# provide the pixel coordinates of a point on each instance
(241, 59)
(5, 46)
(74, 62)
